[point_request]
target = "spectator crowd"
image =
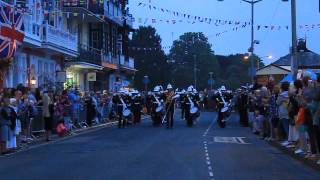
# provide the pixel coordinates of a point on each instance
(288, 112)
(56, 112)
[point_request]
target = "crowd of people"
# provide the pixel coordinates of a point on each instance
(288, 112)
(59, 112)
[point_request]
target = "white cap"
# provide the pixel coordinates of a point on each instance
(156, 89)
(13, 101)
(223, 88)
(169, 86)
(190, 89)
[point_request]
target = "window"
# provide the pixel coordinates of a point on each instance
(40, 72)
(95, 39)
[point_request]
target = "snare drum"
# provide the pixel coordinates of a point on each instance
(193, 110)
(126, 112)
(159, 109)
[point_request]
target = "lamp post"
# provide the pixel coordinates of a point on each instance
(145, 82)
(251, 49)
(294, 60)
(194, 39)
(211, 80)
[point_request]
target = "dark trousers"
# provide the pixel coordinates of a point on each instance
(170, 118)
(313, 133)
(121, 121)
(243, 117)
(137, 116)
(182, 112)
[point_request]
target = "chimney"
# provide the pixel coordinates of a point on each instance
(302, 45)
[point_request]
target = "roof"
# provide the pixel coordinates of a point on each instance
(272, 69)
(305, 59)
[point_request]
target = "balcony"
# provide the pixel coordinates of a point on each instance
(90, 9)
(88, 55)
(127, 65)
(32, 32)
(109, 62)
(59, 40)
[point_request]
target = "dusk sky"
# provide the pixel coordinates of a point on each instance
(268, 12)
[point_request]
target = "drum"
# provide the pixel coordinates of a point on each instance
(193, 110)
(159, 109)
(225, 109)
(126, 112)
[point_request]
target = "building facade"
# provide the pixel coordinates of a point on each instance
(84, 40)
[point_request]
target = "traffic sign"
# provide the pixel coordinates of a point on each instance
(211, 81)
(145, 80)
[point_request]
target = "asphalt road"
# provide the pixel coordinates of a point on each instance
(147, 153)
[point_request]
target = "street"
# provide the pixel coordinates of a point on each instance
(144, 152)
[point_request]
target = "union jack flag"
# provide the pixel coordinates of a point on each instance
(11, 29)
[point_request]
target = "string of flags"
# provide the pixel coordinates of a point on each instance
(149, 48)
(306, 27)
(194, 18)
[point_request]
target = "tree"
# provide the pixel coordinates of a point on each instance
(235, 70)
(189, 51)
(149, 57)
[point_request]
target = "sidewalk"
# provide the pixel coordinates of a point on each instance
(301, 158)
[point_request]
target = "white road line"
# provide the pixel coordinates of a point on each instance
(241, 140)
(205, 143)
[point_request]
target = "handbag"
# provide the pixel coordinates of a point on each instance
(300, 117)
(61, 129)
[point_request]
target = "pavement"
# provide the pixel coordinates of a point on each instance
(145, 152)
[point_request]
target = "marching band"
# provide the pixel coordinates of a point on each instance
(129, 106)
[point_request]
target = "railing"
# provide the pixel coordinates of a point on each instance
(107, 57)
(31, 29)
(59, 37)
(93, 6)
(88, 54)
(129, 64)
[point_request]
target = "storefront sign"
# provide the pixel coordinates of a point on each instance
(61, 76)
(92, 76)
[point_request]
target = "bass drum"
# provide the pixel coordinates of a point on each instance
(126, 113)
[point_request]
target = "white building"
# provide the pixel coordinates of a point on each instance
(81, 37)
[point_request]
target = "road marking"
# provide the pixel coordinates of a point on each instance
(230, 140)
(205, 145)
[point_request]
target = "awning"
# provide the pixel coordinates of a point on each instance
(84, 65)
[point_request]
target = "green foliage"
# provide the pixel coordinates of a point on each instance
(189, 50)
(151, 63)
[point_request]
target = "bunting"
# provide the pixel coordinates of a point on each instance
(190, 17)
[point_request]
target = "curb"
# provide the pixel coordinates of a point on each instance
(311, 163)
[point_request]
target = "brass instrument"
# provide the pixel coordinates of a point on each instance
(169, 97)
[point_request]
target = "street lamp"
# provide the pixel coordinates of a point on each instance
(33, 81)
(294, 60)
(251, 49)
(194, 59)
(211, 80)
